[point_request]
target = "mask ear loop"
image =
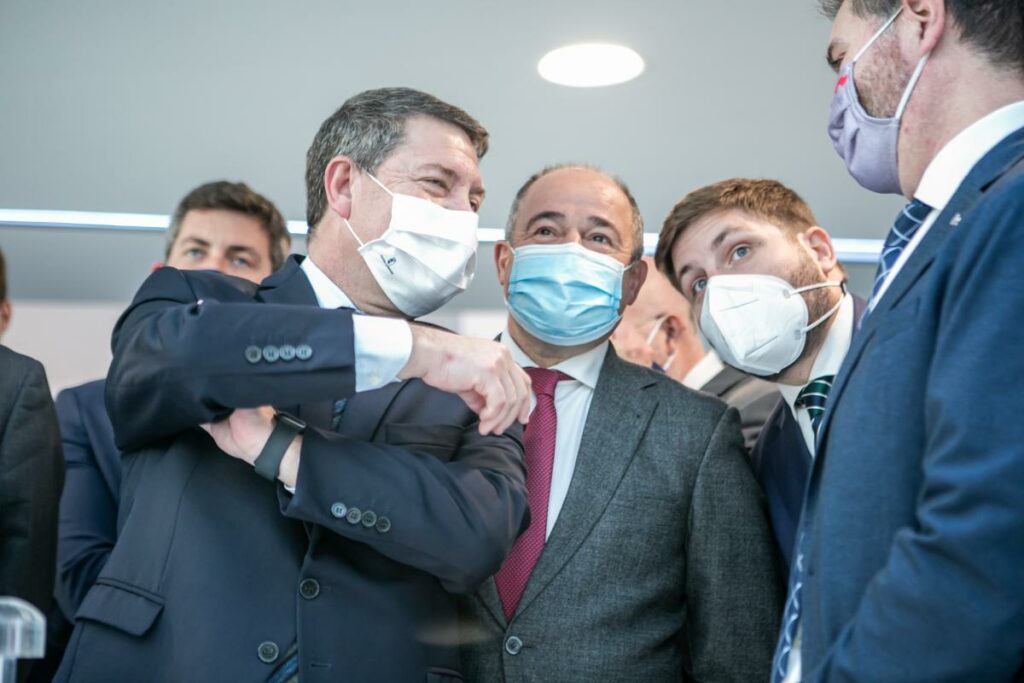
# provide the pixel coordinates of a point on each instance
(353, 232)
(878, 33)
(905, 100)
(834, 309)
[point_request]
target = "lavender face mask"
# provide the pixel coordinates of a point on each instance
(868, 145)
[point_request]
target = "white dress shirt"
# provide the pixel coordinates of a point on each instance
(948, 170)
(705, 370)
(382, 345)
(829, 360)
(572, 405)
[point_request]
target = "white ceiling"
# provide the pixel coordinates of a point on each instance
(123, 105)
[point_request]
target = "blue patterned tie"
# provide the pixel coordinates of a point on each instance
(813, 397)
(790, 618)
(907, 223)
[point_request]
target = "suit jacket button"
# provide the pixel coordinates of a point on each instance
(369, 519)
(309, 589)
(513, 645)
(271, 354)
(303, 351)
(383, 525)
(268, 652)
(354, 515)
(253, 354)
(339, 510)
(287, 352)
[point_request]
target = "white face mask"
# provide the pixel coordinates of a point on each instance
(426, 256)
(758, 323)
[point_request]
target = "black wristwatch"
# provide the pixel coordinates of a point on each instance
(268, 464)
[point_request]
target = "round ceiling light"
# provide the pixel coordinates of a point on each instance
(590, 65)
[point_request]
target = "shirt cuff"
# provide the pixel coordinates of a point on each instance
(383, 347)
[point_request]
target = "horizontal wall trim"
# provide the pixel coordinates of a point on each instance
(850, 250)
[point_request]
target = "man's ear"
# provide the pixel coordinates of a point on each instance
(632, 282)
(503, 258)
(821, 247)
(928, 21)
(338, 185)
(5, 315)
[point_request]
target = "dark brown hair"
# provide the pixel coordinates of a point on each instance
(238, 197)
(995, 28)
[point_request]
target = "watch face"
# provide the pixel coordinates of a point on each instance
(292, 421)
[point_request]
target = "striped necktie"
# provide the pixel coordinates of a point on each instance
(902, 231)
(813, 397)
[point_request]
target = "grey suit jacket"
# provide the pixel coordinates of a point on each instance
(661, 565)
(754, 398)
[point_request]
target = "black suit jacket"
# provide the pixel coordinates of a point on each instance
(217, 572)
(31, 477)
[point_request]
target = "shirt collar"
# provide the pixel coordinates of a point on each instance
(833, 351)
(328, 294)
(954, 162)
(584, 368)
(705, 370)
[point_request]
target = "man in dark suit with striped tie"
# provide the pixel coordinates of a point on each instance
(742, 227)
(911, 541)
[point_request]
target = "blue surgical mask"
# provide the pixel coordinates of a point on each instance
(564, 294)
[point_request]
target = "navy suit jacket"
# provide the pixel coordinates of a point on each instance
(217, 572)
(92, 488)
(913, 527)
(782, 464)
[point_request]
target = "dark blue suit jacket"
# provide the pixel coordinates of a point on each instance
(913, 527)
(782, 464)
(217, 572)
(92, 488)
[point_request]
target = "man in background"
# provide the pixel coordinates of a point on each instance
(222, 226)
(31, 476)
(750, 257)
(660, 332)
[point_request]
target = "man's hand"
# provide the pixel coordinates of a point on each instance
(480, 372)
(244, 433)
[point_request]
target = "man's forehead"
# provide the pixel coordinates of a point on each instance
(576, 187)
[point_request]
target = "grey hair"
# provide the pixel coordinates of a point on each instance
(638, 221)
(368, 128)
(995, 28)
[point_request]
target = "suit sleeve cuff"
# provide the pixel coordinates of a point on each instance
(382, 348)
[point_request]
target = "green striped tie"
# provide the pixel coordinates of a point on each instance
(813, 397)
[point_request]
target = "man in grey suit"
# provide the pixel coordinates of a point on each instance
(658, 331)
(649, 556)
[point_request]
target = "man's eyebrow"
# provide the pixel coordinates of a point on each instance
(599, 222)
(833, 63)
(443, 170)
(717, 242)
(243, 247)
(546, 215)
(200, 242)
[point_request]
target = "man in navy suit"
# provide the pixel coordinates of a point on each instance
(323, 538)
(739, 231)
(221, 226)
(911, 541)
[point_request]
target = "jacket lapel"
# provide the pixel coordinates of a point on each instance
(619, 414)
(985, 173)
(723, 382)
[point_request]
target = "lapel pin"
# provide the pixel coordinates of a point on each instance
(956, 220)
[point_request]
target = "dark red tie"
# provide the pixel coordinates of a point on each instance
(539, 442)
